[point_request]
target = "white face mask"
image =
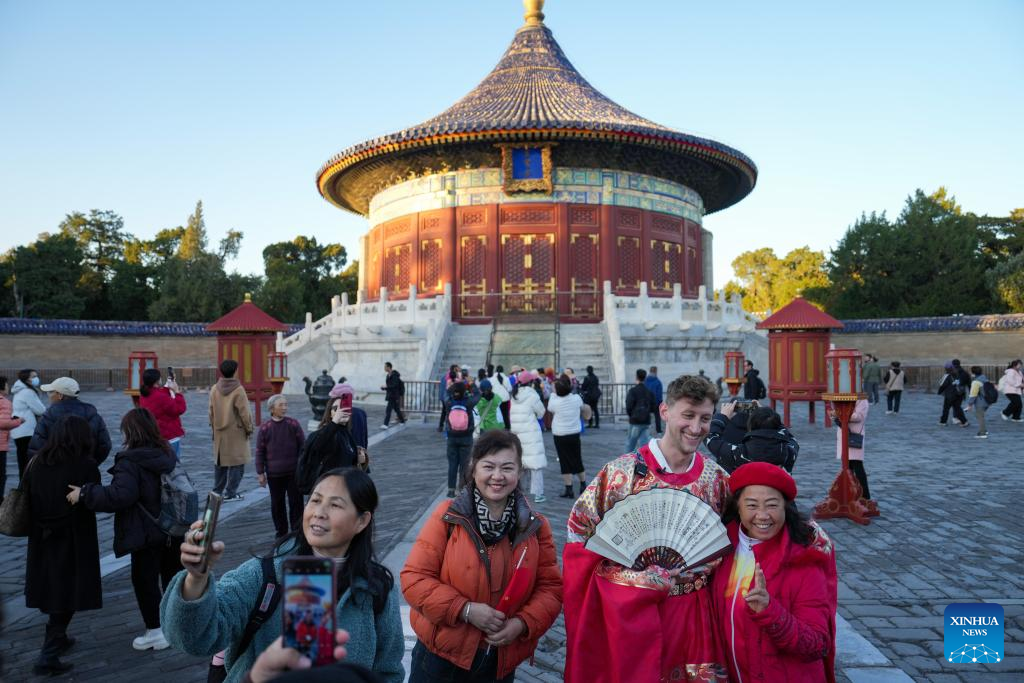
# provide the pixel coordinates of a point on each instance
(35, 381)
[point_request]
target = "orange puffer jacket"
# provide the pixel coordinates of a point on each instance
(450, 565)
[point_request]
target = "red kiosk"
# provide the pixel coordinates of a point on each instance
(798, 338)
(248, 335)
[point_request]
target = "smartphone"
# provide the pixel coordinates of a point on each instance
(213, 501)
(346, 402)
(170, 373)
(308, 613)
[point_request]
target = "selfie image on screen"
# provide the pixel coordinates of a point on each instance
(308, 617)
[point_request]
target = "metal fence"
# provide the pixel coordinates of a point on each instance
(425, 397)
(115, 379)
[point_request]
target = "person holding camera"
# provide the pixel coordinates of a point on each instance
(167, 405)
(766, 438)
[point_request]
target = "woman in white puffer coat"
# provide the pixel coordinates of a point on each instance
(526, 409)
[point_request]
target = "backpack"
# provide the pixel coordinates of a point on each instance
(179, 503)
(761, 391)
(989, 392)
(460, 420)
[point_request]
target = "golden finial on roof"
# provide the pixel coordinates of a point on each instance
(534, 16)
(248, 297)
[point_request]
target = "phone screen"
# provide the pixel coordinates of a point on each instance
(213, 501)
(308, 613)
(346, 402)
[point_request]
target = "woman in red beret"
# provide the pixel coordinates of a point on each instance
(775, 596)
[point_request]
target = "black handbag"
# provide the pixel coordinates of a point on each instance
(15, 511)
(856, 440)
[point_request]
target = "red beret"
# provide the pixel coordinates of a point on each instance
(763, 474)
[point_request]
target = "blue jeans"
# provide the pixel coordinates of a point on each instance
(871, 389)
(634, 435)
(458, 458)
(227, 479)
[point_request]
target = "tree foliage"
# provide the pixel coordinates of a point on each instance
(41, 280)
(301, 275)
(767, 282)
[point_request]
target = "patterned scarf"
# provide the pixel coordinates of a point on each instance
(493, 531)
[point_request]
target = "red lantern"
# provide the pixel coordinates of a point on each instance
(138, 363)
(734, 371)
(277, 370)
(845, 497)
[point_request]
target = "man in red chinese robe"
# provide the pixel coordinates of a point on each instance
(624, 625)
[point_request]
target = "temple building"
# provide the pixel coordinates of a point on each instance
(535, 199)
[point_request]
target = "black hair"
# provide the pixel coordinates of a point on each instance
(481, 374)
(955, 362)
(641, 374)
(763, 418)
(361, 562)
(140, 430)
(25, 377)
(800, 530)
(490, 369)
(228, 368)
(563, 386)
(388, 365)
(3, 383)
(976, 370)
(491, 441)
(590, 369)
(457, 390)
(1009, 367)
(69, 440)
(150, 376)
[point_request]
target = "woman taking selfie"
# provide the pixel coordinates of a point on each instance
(482, 578)
(775, 595)
(62, 574)
(133, 495)
(204, 614)
(331, 446)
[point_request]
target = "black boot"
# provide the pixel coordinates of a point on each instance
(583, 487)
(568, 492)
(55, 642)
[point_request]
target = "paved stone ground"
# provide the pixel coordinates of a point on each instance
(945, 535)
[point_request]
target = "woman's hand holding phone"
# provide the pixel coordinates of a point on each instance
(192, 559)
(341, 416)
(277, 658)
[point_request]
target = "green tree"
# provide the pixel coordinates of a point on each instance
(768, 282)
(302, 275)
(1006, 282)
(927, 262)
(41, 279)
(755, 271)
(102, 238)
(192, 243)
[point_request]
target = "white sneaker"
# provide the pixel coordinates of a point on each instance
(384, 426)
(888, 412)
(1004, 416)
(152, 639)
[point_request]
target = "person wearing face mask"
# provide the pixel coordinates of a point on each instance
(482, 578)
(656, 624)
(204, 613)
(776, 594)
(331, 446)
(26, 404)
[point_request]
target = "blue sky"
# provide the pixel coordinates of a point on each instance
(143, 108)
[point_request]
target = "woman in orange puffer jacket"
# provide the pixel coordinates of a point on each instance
(482, 578)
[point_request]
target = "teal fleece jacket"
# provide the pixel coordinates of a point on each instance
(217, 620)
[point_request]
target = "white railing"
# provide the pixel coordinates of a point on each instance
(711, 314)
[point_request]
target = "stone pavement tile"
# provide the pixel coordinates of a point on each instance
(876, 675)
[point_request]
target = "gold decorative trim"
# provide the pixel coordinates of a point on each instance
(544, 185)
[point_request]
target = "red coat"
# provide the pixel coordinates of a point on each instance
(794, 638)
(166, 410)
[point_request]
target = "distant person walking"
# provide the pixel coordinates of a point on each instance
(981, 396)
(1011, 384)
(952, 393)
(872, 377)
(232, 427)
(62, 569)
(565, 407)
(638, 407)
(753, 387)
(894, 378)
(857, 426)
(64, 401)
(7, 423)
(657, 391)
(278, 443)
(527, 409)
(167, 404)
(26, 404)
(394, 391)
(590, 392)
(459, 428)
(133, 495)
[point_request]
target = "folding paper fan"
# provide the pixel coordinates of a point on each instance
(666, 527)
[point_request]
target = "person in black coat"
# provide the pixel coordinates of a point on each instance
(590, 392)
(753, 387)
(331, 446)
(394, 391)
(766, 439)
(62, 571)
(64, 401)
(133, 491)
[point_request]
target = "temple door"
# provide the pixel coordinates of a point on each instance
(528, 273)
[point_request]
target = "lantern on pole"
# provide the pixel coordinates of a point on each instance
(734, 375)
(138, 363)
(845, 497)
(277, 370)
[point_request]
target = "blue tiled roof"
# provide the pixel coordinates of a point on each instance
(963, 323)
(536, 91)
(127, 328)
